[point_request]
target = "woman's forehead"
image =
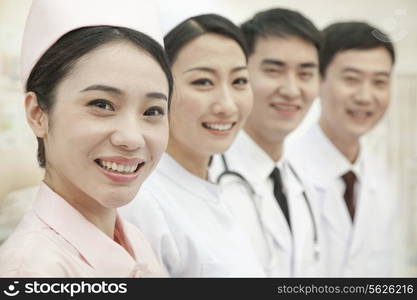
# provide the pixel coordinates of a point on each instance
(121, 65)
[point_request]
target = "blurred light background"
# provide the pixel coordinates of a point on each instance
(394, 140)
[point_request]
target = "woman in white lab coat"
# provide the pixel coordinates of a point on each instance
(100, 131)
(179, 208)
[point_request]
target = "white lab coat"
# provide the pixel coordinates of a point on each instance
(189, 228)
(363, 248)
(282, 253)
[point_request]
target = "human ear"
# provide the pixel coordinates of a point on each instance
(35, 116)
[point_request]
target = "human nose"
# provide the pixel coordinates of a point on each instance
(290, 88)
(128, 134)
(364, 94)
(225, 103)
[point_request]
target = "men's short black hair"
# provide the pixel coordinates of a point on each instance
(351, 35)
(280, 22)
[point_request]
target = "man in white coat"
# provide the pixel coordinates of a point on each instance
(262, 191)
(356, 209)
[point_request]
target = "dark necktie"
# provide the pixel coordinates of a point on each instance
(350, 178)
(279, 194)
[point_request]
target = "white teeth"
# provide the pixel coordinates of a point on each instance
(285, 107)
(112, 166)
(221, 127)
(360, 114)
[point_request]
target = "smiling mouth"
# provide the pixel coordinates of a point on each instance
(219, 126)
(119, 168)
(359, 114)
(288, 108)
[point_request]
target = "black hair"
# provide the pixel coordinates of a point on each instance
(351, 35)
(279, 22)
(199, 25)
(56, 63)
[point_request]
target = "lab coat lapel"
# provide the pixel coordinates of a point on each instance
(275, 222)
(328, 162)
(271, 213)
(367, 200)
(332, 209)
(296, 203)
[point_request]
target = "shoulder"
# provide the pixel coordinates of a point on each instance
(148, 206)
(153, 212)
(141, 246)
(32, 253)
(151, 231)
(302, 152)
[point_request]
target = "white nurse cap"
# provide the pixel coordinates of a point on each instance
(49, 20)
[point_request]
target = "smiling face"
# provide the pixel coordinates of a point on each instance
(355, 92)
(284, 77)
(212, 97)
(108, 127)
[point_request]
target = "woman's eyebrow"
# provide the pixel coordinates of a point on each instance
(205, 69)
(103, 88)
(237, 69)
(119, 92)
(157, 95)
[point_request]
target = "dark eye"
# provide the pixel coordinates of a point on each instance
(272, 71)
(102, 104)
(306, 75)
(241, 81)
(202, 82)
(154, 111)
(380, 83)
(351, 80)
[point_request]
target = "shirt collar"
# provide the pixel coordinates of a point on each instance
(250, 159)
(104, 255)
(329, 153)
(170, 168)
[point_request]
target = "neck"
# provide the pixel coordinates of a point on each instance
(272, 148)
(349, 147)
(103, 218)
(195, 163)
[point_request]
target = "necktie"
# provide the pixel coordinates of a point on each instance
(350, 178)
(279, 194)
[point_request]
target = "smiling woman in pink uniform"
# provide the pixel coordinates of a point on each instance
(97, 91)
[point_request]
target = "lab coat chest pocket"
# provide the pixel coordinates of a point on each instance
(373, 234)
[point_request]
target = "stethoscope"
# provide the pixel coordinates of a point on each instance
(252, 192)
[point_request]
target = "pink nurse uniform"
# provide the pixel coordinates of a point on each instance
(55, 240)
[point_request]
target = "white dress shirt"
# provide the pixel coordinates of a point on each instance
(189, 227)
(362, 247)
(281, 251)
